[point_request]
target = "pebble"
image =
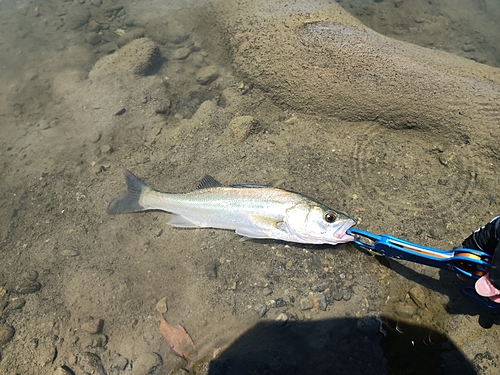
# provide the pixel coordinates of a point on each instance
(282, 318)
(336, 293)
(267, 291)
(120, 363)
(75, 20)
(322, 301)
(93, 325)
(25, 286)
(93, 38)
(347, 294)
(15, 303)
(271, 303)
(417, 294)
(306, 304)
(239, 129)
(161, 306)
(260, 309)
(63, 370)
(106, 149)
(120, 112)
(6, 333)
(99, 341)
(147, 364)
(181, 53)
(90, 363)
(280, 302)
(468, 48)
(211, 269)
(207, 75)
(162, 106)
(405, 310)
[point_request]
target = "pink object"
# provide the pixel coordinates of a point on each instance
(486, 289)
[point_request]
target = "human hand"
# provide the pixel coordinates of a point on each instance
(487, 238)
(485, 288)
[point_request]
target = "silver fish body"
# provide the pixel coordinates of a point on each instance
(251, 210)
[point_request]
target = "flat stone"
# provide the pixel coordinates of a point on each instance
(417, 295)
(405, 310)
(93, 325)
(63, 370)
(260, 309)
(306, 304)
(207, 75)
(239, 129)
(93, 38)
(267, 291)
(281, 318)
(322, 301)
(6, 333)
(146, 364)
(90, 363)
(181, 53)
(161, 306)
(25, 286)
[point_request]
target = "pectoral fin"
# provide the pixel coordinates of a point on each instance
(263, 227)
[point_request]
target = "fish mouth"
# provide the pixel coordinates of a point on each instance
(341, 234)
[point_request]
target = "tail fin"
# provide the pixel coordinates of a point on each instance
(130, 201)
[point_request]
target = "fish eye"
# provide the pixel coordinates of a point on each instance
(330, 216)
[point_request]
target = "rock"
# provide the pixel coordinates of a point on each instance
(93, 26)
(146, 364)
(282, 318)
(267, 291)
(90, 363)
(348, 292)
(181, 53)
(260, 309)
(417, 294)
(63, 370)
(161, 306)
(468, 48)
(405, 310)
(15, 303)
(99, 341)
(271, 303)
(140, 57)
(119, 363)
(280, 302)
(239, 129)
(211, 269)
(207, 75)
(106, 149)
(322, 301)
(93, 38)
(77, 19)
(162, 106)
(6, 333)
(306, 304)
(25, 286)
(93, 325)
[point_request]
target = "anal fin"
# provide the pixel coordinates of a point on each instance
(181, 222)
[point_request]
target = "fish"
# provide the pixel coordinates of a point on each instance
(255, 211)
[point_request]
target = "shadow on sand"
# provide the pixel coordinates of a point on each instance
(341, 346)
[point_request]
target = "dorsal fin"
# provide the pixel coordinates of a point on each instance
(208, 182)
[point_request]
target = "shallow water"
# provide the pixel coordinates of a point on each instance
(82, 97)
